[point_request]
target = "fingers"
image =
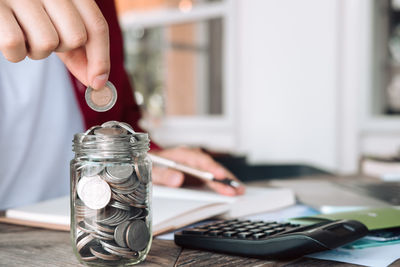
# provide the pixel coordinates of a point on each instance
(97, 46)
(73, 37)
(40, 34)
(168, 177)
(68, 24)
(197, 159)
(76, 29)
(12, 42)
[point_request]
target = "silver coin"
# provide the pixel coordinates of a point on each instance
(142, 171)
(119, 205)
(82, 182)
(83, 226)
(126, 187)
(95, 193)
(91, 130)
(119, 234)
(128, 255)
(91, 170)
(102, 99)
(100, 253)
(100, 236)
(106, 214)
(110, 124)
(104, 228)
(83, 242)
(113, 248)
(135, 213)
(116, 217)
(143, 214)
(109, 131)
(83, 247)
(120, 172)
(137, 235)
(127, 127)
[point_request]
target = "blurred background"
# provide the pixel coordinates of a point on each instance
(279, 81)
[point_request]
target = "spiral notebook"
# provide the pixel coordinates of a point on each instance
(173, 208)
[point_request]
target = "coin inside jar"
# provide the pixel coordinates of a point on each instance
(102, 99)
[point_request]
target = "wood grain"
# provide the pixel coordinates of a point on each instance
(27, 246)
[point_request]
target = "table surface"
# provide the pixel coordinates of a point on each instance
(27, 246)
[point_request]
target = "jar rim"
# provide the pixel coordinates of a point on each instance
(118, 143)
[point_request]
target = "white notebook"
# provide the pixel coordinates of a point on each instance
(172, 208)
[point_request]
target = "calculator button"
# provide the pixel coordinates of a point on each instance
(241, 229)
(204, 226)
(285, 224)
(269, 232)
(258, 235)
(228, 229)
(273, 225)
(195, 231)
(229, 234)
(255, 230)
(214, 233)
(251, 226)
(266, 228)
(244, 234)
(279, 229)
(212, 228)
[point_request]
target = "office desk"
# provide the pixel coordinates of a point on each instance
(26, 246)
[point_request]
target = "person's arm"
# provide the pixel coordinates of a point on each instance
(75, 29)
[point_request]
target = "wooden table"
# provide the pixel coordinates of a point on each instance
(26, 246)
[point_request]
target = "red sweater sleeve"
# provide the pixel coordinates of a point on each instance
(125, 108)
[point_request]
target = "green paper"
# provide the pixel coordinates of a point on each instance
(365, 243)
(372, 218)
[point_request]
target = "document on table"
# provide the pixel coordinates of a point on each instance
(376, 256)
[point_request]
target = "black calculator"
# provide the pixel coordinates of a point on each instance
(272, 240)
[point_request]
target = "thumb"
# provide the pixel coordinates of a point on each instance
(168, 177)
(76, 62)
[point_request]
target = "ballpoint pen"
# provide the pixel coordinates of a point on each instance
(208, 176)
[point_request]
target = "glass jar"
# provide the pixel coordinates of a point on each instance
(111, 196)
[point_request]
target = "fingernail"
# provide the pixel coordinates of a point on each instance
(175, 180)
(229, 191)
(99, 81)
(220, 172)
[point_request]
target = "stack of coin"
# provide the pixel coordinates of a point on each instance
(112, 203)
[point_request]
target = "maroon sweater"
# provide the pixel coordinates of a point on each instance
(125, 108)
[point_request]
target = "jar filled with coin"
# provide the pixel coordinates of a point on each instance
(111, 195)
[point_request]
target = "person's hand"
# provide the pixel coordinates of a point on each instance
(75, 29)
(197, 159)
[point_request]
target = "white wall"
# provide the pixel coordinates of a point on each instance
(287, 81)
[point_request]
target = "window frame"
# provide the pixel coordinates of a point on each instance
(212, 131)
